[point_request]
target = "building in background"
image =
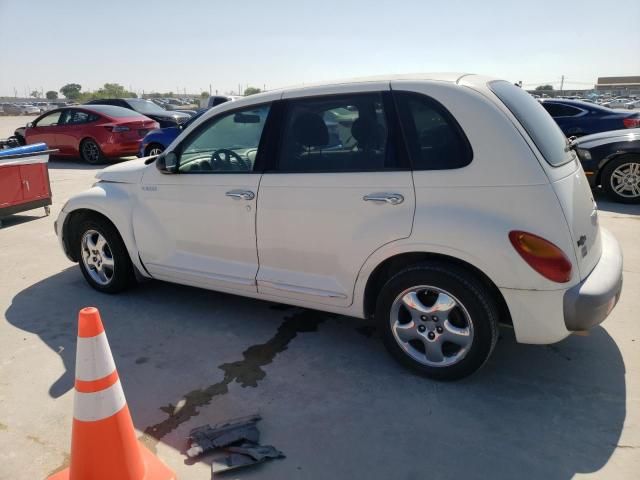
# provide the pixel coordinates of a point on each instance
(619, 85)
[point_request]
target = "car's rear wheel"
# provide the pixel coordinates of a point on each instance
(621, 179)
(90, 152)
(154, 149)
(104, 260)
(438, 320)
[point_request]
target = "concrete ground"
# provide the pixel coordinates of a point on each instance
(330, 396)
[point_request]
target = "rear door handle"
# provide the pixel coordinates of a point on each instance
(392, 198)
(243, 194)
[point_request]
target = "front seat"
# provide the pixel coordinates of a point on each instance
(309, 131)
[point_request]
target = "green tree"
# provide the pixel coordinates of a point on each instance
(109, 90)
(540, 88)
(35, 94)
(251, 91)
(204, 95)
(52, 95)
(71, 91)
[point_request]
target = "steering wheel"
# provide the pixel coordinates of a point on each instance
(224, 157)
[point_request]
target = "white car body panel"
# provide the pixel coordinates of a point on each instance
(316, 231)
(186, 228)
(310, 240)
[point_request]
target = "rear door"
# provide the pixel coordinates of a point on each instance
(71, 129)
(337, 189)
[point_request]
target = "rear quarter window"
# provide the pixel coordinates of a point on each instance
(542, 129)
(434, 138)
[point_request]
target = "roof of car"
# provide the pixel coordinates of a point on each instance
(452, 77)
(437, 77)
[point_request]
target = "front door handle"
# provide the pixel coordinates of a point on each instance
(392, 198)
(243, 194)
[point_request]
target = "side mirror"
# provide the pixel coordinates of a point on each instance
(30, 125)
(167, 163)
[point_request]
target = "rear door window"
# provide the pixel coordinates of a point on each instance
(337, 133)
(559, 110)
(542, 129)
(434, 138)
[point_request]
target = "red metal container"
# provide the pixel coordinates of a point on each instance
(24, 182)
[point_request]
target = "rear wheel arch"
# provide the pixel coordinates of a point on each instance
(394, 264)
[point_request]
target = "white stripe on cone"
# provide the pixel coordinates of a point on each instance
(89, 407)
(93, 358)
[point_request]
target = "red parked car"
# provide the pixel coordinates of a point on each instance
(92, 132)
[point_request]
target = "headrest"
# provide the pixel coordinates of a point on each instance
(310, 130)
(365, 131)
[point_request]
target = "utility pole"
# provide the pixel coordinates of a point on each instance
(562, 85)
(209, 89)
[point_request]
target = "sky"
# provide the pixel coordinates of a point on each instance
(176, 45)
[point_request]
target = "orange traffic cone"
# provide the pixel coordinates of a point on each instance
(103, 441)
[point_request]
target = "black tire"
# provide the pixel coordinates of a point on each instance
(471, 293)
(90, 152)
(607, 173)
(151, 147)
(122, 273)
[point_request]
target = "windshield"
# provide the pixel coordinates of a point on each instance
(145, 106)
(542, 129)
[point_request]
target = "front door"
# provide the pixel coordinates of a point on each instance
(197, 226)
(44, 130)
(340, 188)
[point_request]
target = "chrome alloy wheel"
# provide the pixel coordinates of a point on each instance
(625, 180)
(97, 257)
(431, 326)
(155, 151)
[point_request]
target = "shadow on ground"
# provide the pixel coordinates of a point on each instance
(19, 219)
(331, 398)
(607, 205)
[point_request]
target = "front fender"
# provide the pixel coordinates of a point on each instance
(113, 200)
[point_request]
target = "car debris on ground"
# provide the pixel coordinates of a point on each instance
(239, 437)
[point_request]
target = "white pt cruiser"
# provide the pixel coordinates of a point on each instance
(440, 205)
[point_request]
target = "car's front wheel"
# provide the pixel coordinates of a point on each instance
(438, 320)
(104, 260)
(154, 149)
(621, 179)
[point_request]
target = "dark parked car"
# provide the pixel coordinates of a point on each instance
(216, 100)
(612, 160)
(577, 118)
(145, 107)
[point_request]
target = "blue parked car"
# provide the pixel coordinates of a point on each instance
(576, 118)
(156, 141)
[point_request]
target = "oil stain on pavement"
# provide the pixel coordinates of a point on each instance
(247, 372)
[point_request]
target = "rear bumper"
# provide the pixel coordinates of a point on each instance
(588, 303)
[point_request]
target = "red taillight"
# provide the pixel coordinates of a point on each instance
(542, 255)
(632, 122)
